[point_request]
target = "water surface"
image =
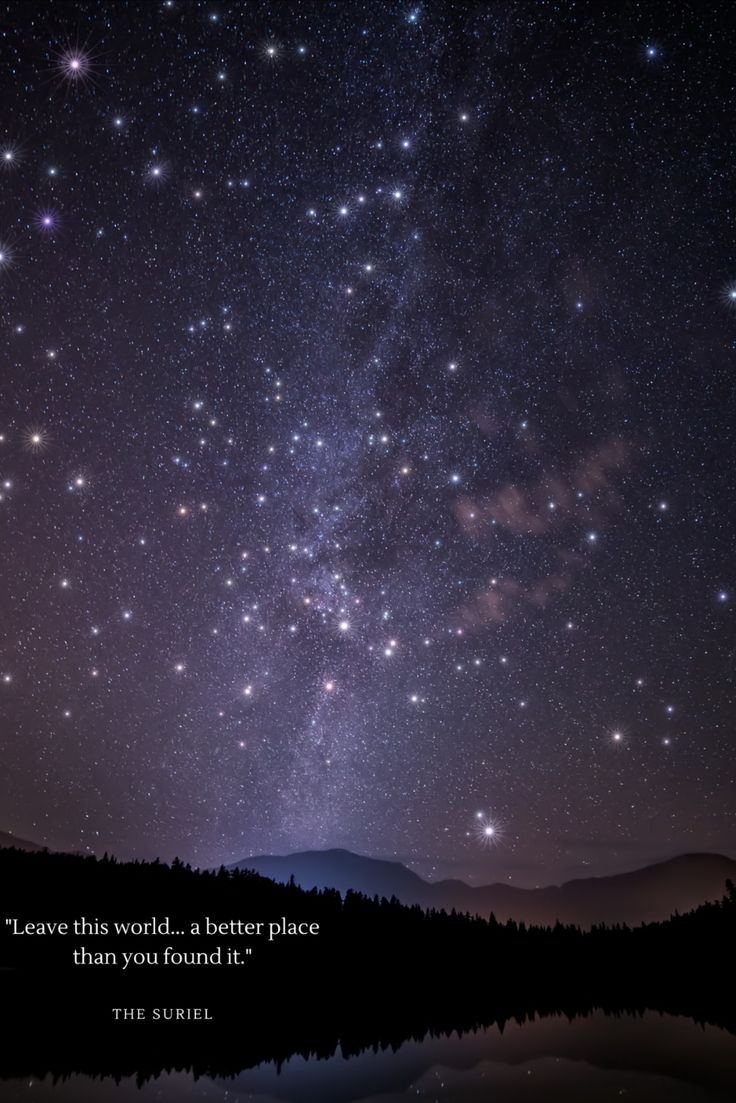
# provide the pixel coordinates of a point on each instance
(599, 1058)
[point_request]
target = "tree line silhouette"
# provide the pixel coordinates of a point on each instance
(377, 972)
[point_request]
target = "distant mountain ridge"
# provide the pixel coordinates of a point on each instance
(642, 896)
(645, 895)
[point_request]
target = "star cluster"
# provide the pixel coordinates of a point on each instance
(366, 403)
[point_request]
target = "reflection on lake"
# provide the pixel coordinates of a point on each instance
(598, 1057)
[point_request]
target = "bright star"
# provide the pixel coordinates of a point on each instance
(46, 221)
(156, 172)
(74, 64)
(36, 439)
(487, 830)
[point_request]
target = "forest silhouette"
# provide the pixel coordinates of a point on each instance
(377, 972)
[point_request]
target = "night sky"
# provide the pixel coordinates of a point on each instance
(365, 431)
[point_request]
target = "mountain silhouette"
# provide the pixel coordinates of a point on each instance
(6, 839)
(423, 970)
(645, 895)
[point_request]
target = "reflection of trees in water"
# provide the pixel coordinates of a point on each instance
(570, 1055)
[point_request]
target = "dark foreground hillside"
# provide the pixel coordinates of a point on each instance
(375, 972)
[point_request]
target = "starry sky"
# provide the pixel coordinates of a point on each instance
(365, 423)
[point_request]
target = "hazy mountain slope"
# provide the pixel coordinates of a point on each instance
(652, 893)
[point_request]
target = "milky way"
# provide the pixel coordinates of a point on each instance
(364, 432)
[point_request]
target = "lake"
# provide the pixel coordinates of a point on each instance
(593, 1058)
